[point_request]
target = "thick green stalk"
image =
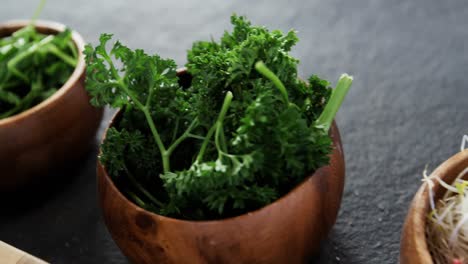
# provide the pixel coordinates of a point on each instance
(222, 139)
(263, 69)
(336, 99)
(218, 131)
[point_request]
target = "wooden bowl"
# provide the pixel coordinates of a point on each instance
(52, 133)
(287, 231)
(413, 247)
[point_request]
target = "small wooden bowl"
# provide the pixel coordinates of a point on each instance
(413, 247)
(287, 231)
(52, 133)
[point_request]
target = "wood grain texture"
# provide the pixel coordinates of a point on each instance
(413, 246)
(12, 255)
(56, 131)
(286, 231)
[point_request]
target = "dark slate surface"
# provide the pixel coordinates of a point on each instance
(407, 108)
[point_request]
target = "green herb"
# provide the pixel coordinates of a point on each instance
(33, 66)
(244, 132)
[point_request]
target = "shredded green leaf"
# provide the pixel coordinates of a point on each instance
(33, 66)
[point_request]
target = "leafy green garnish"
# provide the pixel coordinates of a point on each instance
(33, 66)
(239, 136)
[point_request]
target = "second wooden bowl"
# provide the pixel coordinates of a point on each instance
(414, 248)
(52, 133)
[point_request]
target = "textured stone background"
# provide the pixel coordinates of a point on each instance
(407, 108)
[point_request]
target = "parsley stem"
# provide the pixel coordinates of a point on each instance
(223, 140)
(25, 102)
(165, 155)
(176, 129)
(72, 48)
(11, 65)
(8, 84)
(142, 108)
(219, 145)
(336, 99)
(219, 122)
(149, 119)
(195, 136)
(136, 199)
(182, 137)
(9, 97)
(225, 107)
(142, 189)
(263, 69)
(38, 11)
(63, 56)
(157, 138)
(205, 143)
(150, 95)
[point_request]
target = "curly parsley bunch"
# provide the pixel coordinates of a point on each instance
(244, 132)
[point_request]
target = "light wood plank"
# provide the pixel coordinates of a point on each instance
(12, 255)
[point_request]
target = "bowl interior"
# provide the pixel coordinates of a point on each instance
(448, 174)
(184, 80)
(46, 27)
(414, 246)
(289, 230)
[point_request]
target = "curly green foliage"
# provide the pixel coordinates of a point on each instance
(238, 137)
